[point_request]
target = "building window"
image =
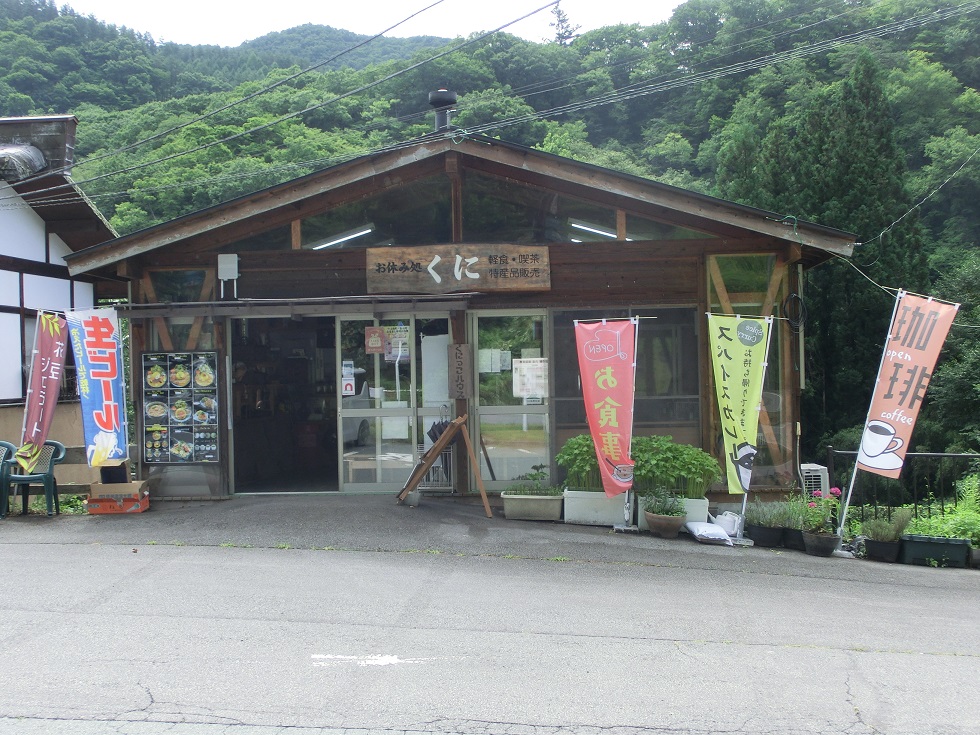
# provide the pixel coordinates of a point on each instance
(757, 285)
(667, 386)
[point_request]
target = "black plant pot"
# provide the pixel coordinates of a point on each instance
(764, 535)
(882, 550)
(793, 539)
(820, 544)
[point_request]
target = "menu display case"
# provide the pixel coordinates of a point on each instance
(180, 407)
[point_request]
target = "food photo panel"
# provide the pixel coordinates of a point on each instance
(155, 366)
(180, 370)
(182, 445)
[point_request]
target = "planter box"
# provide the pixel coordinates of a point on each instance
(532, 507)
(935, 551)
(589, 508)
(697, 510)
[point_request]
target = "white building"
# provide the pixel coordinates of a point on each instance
(43, 217)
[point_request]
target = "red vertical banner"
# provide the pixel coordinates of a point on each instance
(47, 365)
(916, 335)
(607, 364)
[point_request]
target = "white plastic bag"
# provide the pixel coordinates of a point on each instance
(731, 522)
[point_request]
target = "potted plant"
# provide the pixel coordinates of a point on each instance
(882, 536)
(664, 512)
(533, 499)
(585, 501)
(644, 451)
(685, 470)
(764, 522)
(820, 520)
(796, 509)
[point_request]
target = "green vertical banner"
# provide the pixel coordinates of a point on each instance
(739, 348)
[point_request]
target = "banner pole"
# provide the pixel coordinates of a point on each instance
(847, 501)
(30, 382)
(884, 351)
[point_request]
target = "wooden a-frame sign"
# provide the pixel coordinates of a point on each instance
(429, 458)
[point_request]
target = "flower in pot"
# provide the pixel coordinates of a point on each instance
(765, 522)
(820, 521)
(882, 536)
(533, 498)
(664, 512)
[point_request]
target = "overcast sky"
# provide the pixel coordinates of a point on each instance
(227, 23)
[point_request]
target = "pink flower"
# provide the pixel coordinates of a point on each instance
(817, 494)
(811, 504)
(835, 491)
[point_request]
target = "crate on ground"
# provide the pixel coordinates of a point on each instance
(439, 478)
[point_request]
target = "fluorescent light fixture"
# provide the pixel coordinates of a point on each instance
(594, 229)
(342, 237)
(589, 227)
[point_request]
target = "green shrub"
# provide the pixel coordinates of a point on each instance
(883, 529)
(580, 462)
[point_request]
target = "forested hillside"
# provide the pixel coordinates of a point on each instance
(858, 114)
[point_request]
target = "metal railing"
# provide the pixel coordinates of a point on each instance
(927, 478)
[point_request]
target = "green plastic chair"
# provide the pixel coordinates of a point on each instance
(6, 465)
(52, 453)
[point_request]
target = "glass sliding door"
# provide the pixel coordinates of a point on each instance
(394, 377)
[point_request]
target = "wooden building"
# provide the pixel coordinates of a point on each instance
(308, 336)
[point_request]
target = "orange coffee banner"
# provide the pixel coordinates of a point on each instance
(916, 335)
(607, 364)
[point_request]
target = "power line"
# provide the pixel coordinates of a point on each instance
(627, 93)
(366, 128)
(228, 106)
(283, 118)
(641, 90)
(924, 199)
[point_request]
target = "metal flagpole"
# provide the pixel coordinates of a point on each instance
(850, 489)
(627, 504)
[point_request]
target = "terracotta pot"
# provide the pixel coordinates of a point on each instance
(820, 544)
(664, 526)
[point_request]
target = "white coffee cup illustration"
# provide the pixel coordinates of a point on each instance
(879, 438)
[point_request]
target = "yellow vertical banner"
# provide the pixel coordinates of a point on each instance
(739, 348)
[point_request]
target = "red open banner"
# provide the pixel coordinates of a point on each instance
(607, 364)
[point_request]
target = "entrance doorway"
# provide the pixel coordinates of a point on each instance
(394, 384)
(283, 404)
(335, 403)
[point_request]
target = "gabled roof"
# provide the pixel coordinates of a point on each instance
(441, 152)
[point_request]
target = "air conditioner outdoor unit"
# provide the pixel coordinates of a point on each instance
(815, 477)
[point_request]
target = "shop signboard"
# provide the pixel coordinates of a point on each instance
(436, 269)
(180, 407)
